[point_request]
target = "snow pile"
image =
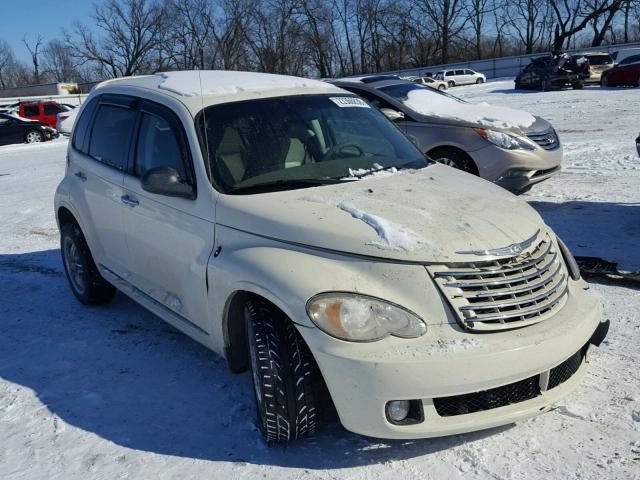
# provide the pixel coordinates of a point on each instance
(214, 82)
(392, 236)
(428, 102)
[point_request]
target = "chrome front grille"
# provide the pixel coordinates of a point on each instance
(547, 139)
(506, 293)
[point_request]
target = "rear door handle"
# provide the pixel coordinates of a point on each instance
(81, 176)
(129, 201)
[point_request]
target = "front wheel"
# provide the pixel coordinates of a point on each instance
(456, 159)
(578, 85)
(479, 81)
(604, 82)
(284, 373)
(33, 136)
(85, 280)
(442, 87)
(451, 83)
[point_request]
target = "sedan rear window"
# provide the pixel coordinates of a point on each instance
(599, 59)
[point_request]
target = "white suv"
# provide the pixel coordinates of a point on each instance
(460, 76)
(289, 226)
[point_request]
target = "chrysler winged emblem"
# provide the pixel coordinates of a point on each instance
(513, 249)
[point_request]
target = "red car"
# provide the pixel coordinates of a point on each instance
(45, 112)
(626, 73)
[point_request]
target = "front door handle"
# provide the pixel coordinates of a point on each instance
(129, 201)
(81, 176)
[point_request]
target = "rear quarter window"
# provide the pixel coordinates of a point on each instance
(110, 135)
(52, 110)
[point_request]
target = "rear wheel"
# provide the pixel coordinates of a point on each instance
(604, 82)
(33, 136)
(85, 280)
(454, 158)
(578, 85)
(284, 373)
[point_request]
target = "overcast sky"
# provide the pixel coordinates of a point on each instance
(32, 17)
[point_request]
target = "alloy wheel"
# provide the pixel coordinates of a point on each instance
(73, 262)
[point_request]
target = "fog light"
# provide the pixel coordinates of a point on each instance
(398, 410)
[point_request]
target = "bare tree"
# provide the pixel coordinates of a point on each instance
(34, 51)
(573, 16)
(448, 19)
(58, 62)
(128, 31)
(7, 65)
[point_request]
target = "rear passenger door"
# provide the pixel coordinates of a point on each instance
(97, 161)
(169, 238)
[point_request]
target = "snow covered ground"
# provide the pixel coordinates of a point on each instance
(115, 393)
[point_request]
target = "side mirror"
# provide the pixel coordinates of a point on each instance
(392, 115)
(166, 181)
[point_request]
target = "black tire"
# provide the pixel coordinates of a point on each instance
(285, 376)
(451, 83)
(33, 136)
(85, 280)
(454, 158)
(604, 82)
(518, 85)
(578, 85)
(479, 81)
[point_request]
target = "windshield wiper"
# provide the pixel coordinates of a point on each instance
(288, 184)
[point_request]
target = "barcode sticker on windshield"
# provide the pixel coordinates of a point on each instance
(349, 102)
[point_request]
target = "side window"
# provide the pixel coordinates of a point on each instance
(32, 110)
(459, 72)
(110, 135)
(373, 99)
(51, 109)
(450, 73)
(158, 146)
(469, 72)
(79, 141)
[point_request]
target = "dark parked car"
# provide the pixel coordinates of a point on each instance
(625, 74)
(19, 130)
(554, 72)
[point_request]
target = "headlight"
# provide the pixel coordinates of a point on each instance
(572, 265)
(359, 318)
(504, 140)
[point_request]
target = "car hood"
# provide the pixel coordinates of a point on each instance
(422, 216)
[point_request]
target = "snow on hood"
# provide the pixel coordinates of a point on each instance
(218, 82)
(431, 103)
(425, 215)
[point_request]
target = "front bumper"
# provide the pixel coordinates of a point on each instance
(448, 362)
(515, 170)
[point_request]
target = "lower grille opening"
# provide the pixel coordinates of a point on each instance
(488, 399)
(565, 370)
(508, 394)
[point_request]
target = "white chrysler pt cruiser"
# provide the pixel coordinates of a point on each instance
(289, 226)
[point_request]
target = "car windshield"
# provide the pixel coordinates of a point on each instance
(296, 141)
(599, 59)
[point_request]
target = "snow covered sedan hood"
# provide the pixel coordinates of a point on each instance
(426, 216)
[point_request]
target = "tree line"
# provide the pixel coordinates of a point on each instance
(317, 38)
